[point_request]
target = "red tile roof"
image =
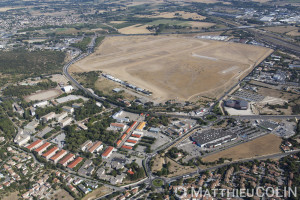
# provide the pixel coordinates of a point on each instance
(123, 136)
(118, 142)
(136, 135)
(50, 151)
(117, 125)
(43, 147)
(126, 147)
(131, 141)
(62, 152)
(107, 151)
(75, 162)
(66, 159)
(32, 145)
(95, 146)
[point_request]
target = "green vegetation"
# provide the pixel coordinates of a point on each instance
(23, 90)
(90, 108)
(34, 63)
(6, 126)
(99, 40)
(82, 45)
(138, 172)
(211, 117)
(156, 121)
(157, 182)
(97, 126)
(174, 151)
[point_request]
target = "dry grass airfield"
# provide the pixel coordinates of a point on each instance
(262, 146)
(174, 67)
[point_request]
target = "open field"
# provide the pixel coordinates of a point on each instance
(13, 195)
(61, 194)
(97, 193)
(176, 169)
(134, 29)
(280, 29)
(174, 67)
(266, 145)
(44, 95)
(294, 33)
(177, 14)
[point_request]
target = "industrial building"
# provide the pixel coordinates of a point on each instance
(213, 138)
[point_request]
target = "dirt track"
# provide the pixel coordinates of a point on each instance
(174, 67)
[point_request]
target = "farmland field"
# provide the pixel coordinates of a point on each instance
(174, 67)
(266, 145)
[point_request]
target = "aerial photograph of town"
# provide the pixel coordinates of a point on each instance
(150, 99)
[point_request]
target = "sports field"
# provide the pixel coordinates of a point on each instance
(174, 67)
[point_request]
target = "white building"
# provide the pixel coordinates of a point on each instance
(21, 139)
(61, 116)
(66, 122)
(40, 104)
(68, 109)
(68, 88)
(48, 117)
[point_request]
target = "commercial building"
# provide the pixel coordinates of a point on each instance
(35, 145)
(58, 156)
(50, 153)
(213, 138)
(237, 104)
(75, 162)
(108, 151)
(42, 148)
(67, 159)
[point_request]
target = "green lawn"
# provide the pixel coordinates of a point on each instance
(157, 182)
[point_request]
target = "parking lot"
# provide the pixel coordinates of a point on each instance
(248, 96)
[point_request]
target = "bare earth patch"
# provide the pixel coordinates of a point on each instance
(176, 169)
(266, 145)
(97, 193)
(134, 29)
(44, 95)
(172, 67)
